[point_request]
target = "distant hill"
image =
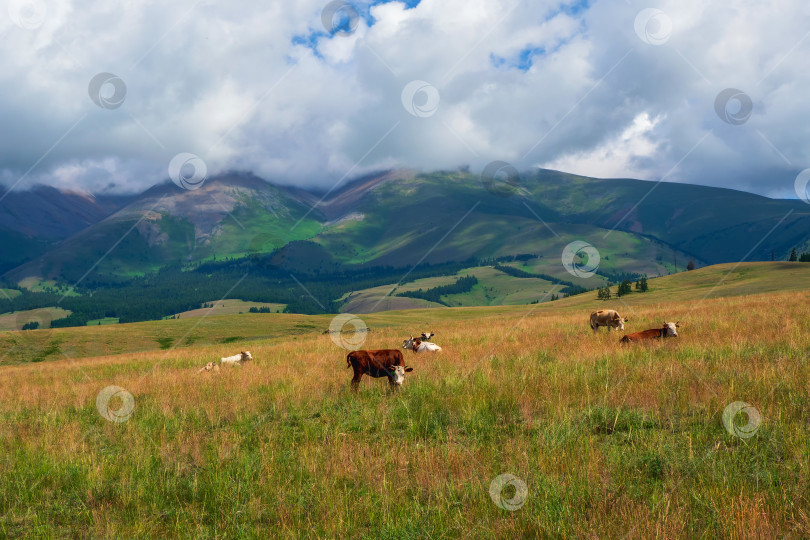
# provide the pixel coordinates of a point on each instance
(716, 281)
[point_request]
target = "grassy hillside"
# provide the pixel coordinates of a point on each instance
(494, 288)
(228, 307)
(608, 440)
(15, 321)
(718, 281)
(9, 293)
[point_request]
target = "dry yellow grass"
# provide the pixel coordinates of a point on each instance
(610, 440)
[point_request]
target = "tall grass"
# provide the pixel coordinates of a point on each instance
(610, 440)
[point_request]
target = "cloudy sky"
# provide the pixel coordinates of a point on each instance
(103, 95)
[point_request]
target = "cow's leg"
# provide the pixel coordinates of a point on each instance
(356, 380)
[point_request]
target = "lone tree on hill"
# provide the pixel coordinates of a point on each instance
(793, 257)
(691, 265)
(624, 288)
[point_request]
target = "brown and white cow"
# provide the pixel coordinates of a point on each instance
(669, 329)
(417, 345)
(378, 363)
(609, 318)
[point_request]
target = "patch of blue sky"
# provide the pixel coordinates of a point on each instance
(575, 8)
(522, 61)
(343, 22)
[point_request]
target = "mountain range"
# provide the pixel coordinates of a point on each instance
(394, 218)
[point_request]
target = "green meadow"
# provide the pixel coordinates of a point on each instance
(597, 439)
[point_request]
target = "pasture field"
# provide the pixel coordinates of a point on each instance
(9, 293)
(609, 440)
(228, 307)
(15, 321)
(493, 288)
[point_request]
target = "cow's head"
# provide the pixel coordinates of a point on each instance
(408, 343)
(397, 374)
(618, 321)
(246, 356)
(671, 329)
(427, 335)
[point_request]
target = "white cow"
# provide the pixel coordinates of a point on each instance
(417, 345)
(237, 359)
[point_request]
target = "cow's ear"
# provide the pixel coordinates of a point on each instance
(408, 369)
(678, 324)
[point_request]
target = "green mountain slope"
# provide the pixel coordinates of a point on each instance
(229, 217)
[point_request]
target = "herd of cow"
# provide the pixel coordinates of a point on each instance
(390, 363)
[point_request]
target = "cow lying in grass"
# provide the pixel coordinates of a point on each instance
(417, 345)
(427, 335)
(210, 366)
(609, 318)
(379, 363)
(669, 329)
(237, 359)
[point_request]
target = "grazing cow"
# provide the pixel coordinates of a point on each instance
(378, 363)
(427, 335)
(669, 329)
(609, 318)
(237, 359)
(417, 345)
(210, 366)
